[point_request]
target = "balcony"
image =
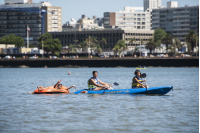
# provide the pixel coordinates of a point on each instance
(175, 34)
(185, 20)
(181, 29)
(181, 16)
(181, 11)
(156, 17)
(156, 25)
(156, 21)
(155, 13)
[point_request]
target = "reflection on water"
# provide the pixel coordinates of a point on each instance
(178, 111)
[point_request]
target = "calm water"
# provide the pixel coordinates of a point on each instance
(178, 111)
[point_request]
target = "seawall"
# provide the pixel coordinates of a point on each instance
(98, 62)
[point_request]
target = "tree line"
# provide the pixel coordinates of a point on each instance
(171, 42)
(159, 37)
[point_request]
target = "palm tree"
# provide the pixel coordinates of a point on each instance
(75, 42)
(120, 46)
(167, 40)
(103, 42)
(98, 49)
(151, 45)
(83, 47)
(131, 40)
(191, 38)
(176, 43)
(181, 46)
(141, 42)
(88, 42)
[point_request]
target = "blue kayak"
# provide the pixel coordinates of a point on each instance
(161, 90)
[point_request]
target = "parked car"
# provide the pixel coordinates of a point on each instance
(54, 57)
(152, 55)
(186, 55)
(7, 57)
(72, 57)
(33, 57)
(161, 55)
(103, 56)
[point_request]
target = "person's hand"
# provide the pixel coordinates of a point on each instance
(59, 81)
(74, 86)
(110, 84)
(144, 80)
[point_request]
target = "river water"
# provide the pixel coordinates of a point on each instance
(178, 111)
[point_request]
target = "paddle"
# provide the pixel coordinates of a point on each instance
(115, 83)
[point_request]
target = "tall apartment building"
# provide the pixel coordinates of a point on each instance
(176, 20)
(151, 4)
(131, 17)
(15, 22)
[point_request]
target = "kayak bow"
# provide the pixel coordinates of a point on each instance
(162, 90)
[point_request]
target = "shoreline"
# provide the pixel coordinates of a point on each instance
(100, 62)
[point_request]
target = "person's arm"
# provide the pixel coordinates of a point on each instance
(70, 87)
(143, 80)
(138, 81)
(56, 85)
(96, 83)
(105, 83)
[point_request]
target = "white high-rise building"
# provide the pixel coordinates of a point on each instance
(172, 4)
(151, 4)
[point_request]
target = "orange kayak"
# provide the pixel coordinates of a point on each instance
(51, 90)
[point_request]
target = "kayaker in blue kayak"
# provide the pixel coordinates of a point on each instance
(137, 80)
(96, 84)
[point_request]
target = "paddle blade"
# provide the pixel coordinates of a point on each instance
(116, 84)
(143, 75)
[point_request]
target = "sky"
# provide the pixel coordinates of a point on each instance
(76, 8)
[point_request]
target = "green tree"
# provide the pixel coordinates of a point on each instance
(158, 35)
(56, 47)
(98, 49)
(141, 42)
(120, 46)
(12, 39)
(83, 47)
(131, 40)
(151, 45)
(192, 39)
(176, 44)
(134, 51)
(181, 46)
(31, 45)
(103, 42)
(167, 40)
(91, 43)
(49, 44)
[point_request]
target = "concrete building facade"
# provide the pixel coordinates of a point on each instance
(132, 18)
(151, 4)
(111, 35)
(15, 22)
(177, 21)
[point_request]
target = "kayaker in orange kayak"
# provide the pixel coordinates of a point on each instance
(56, 87)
